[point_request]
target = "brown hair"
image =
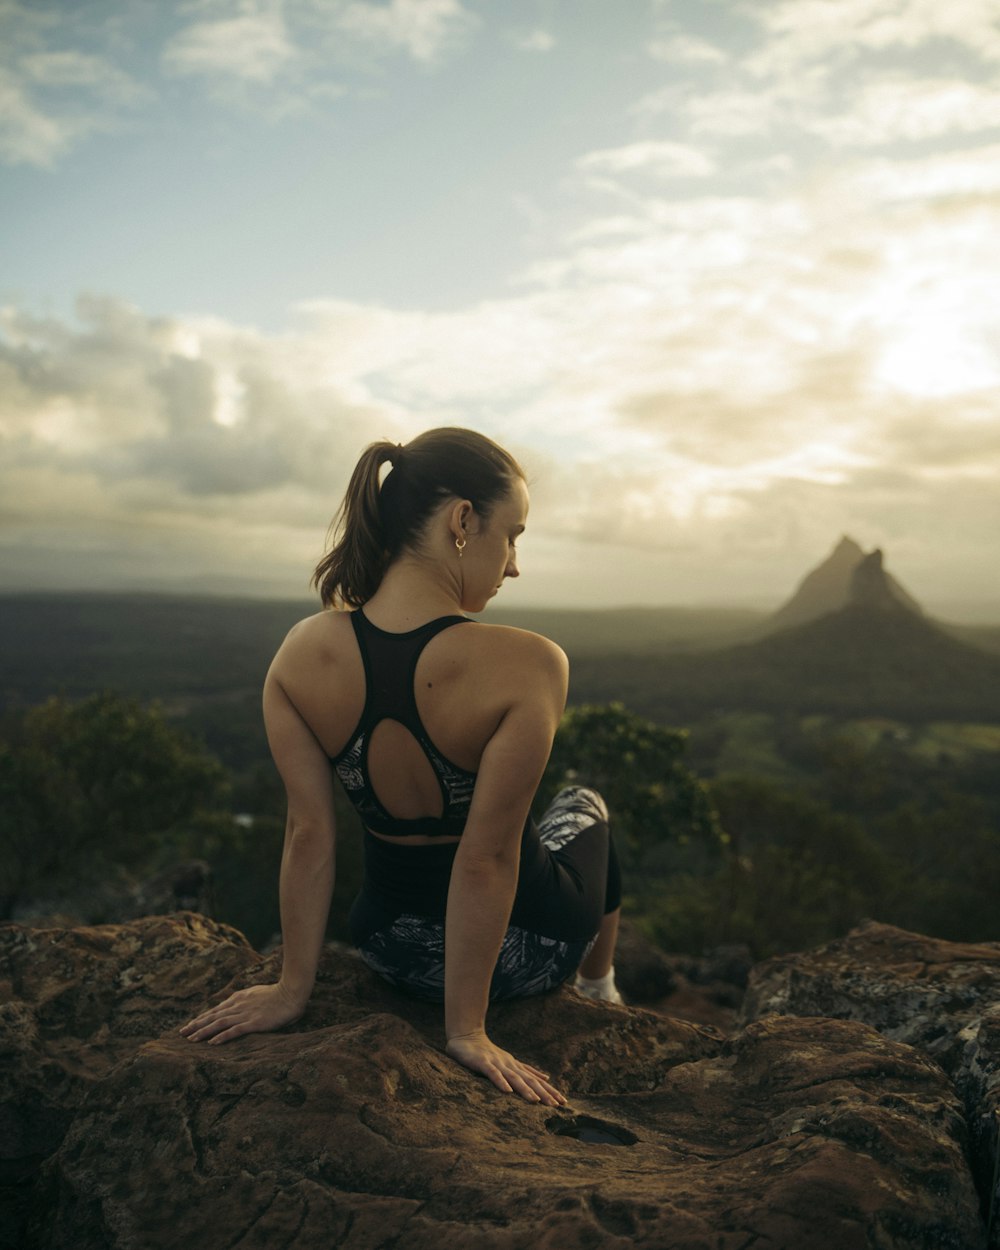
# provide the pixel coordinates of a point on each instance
(375, 523)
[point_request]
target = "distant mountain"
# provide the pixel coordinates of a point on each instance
(206, 659)
(844, 575)
(875, 655)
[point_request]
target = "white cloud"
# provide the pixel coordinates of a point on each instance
(731, 111)
(537, 40)
(252, 47)
(29, 135)
(272, 53)
(129, 398)
(911, 109)
(961, 176)
(662, 159)
(423, 29)
(75, 69)
(843, 71)
(802, 31)
(52, 98)
(693, 380)
(687, 50)
(674, 407)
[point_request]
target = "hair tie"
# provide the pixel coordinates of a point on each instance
(396, 454)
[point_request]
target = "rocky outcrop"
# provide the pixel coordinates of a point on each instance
(352, 1128)
(942, 997)
(73, 1004)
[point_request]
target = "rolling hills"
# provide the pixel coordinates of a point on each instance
(873, 653)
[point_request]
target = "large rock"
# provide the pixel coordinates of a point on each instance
(354, 1129)
(916, 989)
(73, 1003)
(943, 997)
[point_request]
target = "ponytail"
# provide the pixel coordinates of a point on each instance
(376, 522)
(350, 572)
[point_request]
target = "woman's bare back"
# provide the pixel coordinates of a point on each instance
(462, 687)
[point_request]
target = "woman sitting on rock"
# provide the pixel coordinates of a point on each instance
(439, 729)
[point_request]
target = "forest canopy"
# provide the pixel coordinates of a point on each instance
(824, 831)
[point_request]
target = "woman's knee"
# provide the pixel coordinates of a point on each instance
(584, 799)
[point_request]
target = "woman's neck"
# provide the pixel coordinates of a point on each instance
(411, 594)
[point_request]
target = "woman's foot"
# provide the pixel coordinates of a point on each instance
(601, 988)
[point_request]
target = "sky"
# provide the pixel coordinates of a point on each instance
(723, 274)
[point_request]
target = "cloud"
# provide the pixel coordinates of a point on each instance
(800, 339)
(424, 29)
(137, 399)
(270, 54)
(537, 40)
(687, 50)
(252, 47)
(52, 98)
(667, 437)
(149, 451)
(28, 135)
(76, 69)
(843, 71)
(659, 158)
(902, 109)
(807, 31)
(731, 111)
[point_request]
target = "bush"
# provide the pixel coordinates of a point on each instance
(660, 811)
(88, 785)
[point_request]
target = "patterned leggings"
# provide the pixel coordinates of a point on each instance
(568, 879)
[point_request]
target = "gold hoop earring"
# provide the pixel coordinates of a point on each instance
(460, 546)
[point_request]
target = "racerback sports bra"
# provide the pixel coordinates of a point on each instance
(390, 662)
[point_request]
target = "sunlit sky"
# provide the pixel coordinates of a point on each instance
(723, 274)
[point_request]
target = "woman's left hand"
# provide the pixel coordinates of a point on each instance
(258, 1009)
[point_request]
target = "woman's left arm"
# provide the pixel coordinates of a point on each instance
(306, 884)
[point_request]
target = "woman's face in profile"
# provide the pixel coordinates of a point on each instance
(491, 553)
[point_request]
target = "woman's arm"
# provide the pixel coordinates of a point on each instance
(306, 884)
(484, 874)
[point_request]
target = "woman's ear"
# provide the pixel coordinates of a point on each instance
(462, 519)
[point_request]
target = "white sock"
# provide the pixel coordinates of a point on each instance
(602, 988)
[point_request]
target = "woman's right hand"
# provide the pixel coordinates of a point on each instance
(476, 1052)
(257, 1009)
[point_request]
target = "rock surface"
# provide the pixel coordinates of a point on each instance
(73, 1003)
(354, 1129)
(943, 997)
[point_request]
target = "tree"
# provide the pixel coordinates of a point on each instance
(800, 872)
(660, 810)
(87, 785)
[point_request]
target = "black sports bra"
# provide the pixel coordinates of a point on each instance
(390, 662)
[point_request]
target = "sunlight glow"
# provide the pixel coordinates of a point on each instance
(934, 358)
(229, 395)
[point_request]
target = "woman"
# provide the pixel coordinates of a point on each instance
(439, 729)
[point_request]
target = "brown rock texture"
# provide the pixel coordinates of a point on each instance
(940, 996)
(73, 1003)
(354, 1129)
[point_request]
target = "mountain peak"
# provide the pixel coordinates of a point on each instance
(870, 585)
(846, 576)
(847, 548)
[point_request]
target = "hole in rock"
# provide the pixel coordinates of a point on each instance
(587, 1128)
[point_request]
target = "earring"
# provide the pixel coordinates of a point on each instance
(460, 546)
